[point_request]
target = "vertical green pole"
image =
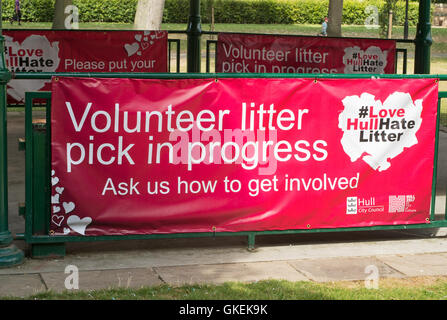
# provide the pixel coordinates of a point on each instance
(9, 254)
(194, 32)
(423, 39)
(251, 241)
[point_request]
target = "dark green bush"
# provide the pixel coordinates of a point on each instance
(225, 11)
(106, 10)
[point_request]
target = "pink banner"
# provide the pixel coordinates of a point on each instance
(252, 53)
(80, 51)
(201, 155)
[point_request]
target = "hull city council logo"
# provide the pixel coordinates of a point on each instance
(377, 132)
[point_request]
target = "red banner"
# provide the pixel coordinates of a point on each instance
(251, 53)
(80, 51)
(201, 155)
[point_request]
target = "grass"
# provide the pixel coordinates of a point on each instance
(419, 288)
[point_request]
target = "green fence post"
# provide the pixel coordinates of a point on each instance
(251, 241)
(194, 32)
(41, 193)
(10, 255)
(423, 39)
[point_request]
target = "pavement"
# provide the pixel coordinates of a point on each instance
(335, 256)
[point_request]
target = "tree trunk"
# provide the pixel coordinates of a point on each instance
(149, 14)
(59, 13)
(335, 14)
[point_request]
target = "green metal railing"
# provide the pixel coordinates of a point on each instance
(38, 167)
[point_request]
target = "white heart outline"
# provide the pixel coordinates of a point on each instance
(62, 218)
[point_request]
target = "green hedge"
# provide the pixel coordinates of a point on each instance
(32, 10)
(225, 11)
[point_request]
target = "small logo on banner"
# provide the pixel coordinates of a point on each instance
(377, 132)
(357, 205)
(35, 54)
(401, 203)
(351, 205)
(372, 60)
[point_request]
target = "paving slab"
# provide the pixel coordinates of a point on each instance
(103, 279)
(220, 273)
(418, 264)
(21, 285)
(339, 269)
(163, 257)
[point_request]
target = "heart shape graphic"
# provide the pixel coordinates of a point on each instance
(59, 190)
(54, 181)
(144, 45)
(53, 172)
(56, 209)
(57, 220)
(68, 206)
(66, 230)
(146, 32)
(138, 37)
(78, 225)
(131, 48)
(55, 198)
(376, 141)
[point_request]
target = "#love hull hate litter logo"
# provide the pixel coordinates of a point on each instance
(377, 132)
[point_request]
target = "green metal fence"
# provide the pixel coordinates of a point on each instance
(38, 166)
